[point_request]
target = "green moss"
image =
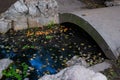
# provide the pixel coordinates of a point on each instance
(13, 72)
(27, 47)
(49, 37)
(50, 25)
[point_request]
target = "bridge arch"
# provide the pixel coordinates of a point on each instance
(87, 27)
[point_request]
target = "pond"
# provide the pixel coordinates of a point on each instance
(40, 51)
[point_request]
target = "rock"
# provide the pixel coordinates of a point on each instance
(75, 72)
(101, 66)
(4, 63)
(32, 6)
(77, 60)
(34, 22)
(30, 13)
(20, 7)
(20, 23)
(15, 11)
(81, 73)
(5, 25)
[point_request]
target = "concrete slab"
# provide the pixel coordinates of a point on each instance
(70, 5)
(102, 24)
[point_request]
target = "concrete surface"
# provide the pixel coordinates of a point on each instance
(70, 5)
(102, 24)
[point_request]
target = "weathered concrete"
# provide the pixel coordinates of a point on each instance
(102, 24)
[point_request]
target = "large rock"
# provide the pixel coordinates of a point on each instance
(4, 63)
(75, 60)
(76, 72)
(4, 25)
(30, 13)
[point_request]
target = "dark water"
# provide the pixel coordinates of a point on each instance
(48, 54)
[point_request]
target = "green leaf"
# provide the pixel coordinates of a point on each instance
(49, 37)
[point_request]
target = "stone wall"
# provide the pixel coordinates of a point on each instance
(35, 13)
(29, 13)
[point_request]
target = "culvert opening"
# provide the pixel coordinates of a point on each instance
(37, 51)
(84, 37)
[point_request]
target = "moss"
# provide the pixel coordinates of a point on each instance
(15, 73)
(50, 25)
(48, 37)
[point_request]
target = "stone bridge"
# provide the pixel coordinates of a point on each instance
(102, 24)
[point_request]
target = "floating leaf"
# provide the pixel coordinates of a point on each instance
(49, 37)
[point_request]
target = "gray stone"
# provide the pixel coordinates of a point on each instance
(34, 22)
(5, 25)
(20, 23)
(79, 70)
(16, 10)
(32, 13)
(75, 72)
(20, 7)
(81, 73)
(77, 60)
(33, 9)
(100, 66)
(4, 63)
